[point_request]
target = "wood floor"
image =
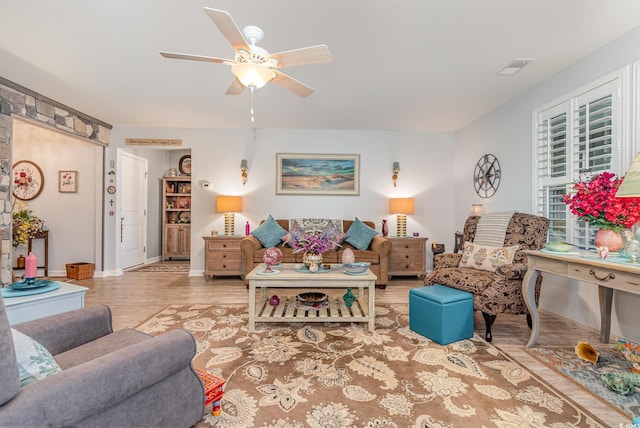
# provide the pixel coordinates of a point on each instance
(136, 296)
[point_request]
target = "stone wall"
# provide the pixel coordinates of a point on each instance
(20, 101)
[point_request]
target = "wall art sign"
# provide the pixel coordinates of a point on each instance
(317, 174)
(67, 181)
(28, 180)
(152, 142)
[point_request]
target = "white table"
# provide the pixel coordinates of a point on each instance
(606, 275)
(261, 311)
(26, 308)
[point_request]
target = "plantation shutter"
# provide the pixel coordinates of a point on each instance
(575, 140)
(552, 169)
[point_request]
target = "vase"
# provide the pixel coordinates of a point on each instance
(349, 298)
(385, 228)
(608, 238)
(311, 256)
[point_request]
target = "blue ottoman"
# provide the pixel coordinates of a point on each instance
(440, 313)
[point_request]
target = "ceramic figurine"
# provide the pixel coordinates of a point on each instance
(604, 252)
(349, 298)
(348, 256)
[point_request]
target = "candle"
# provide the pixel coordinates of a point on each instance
(31, 266)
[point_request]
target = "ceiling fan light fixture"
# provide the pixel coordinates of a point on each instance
(252, 75)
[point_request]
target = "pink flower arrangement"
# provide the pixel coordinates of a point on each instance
(316, 242)
(595, 202)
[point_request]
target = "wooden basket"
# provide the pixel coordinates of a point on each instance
(80, 270)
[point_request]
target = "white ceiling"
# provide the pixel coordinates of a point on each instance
(417, 65)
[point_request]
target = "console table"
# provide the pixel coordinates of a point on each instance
(606, 275)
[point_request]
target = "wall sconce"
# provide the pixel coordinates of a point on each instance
(476, 210)
(396, 169)
(243, 168)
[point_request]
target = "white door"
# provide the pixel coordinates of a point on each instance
(133, 218)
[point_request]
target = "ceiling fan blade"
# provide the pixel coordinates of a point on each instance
(235, 88)
(228, 28)
(292, 84)
(175, 55)
(302, 56)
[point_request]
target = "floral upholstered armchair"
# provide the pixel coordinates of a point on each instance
(498, 291)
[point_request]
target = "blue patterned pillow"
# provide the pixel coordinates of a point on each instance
(34, 360)
(360, 235)
(269, 233)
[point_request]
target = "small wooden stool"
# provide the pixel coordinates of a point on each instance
(213, 390)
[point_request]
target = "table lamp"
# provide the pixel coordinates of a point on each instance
(228, 205)
(476, 210)
(402, 207)
(630, 186)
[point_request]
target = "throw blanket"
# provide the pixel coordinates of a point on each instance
(492, 229)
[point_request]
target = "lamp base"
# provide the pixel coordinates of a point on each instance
(401, 228)
(229, 227)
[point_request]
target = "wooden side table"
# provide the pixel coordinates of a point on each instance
(222, 256)
(43, 234)
(408, 256)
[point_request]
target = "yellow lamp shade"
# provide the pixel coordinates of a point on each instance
(228, 204)
(401, 205)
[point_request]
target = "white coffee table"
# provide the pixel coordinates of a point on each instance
(362, 310)
(26, 308)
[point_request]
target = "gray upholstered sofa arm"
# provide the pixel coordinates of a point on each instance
(68, 330)
(85, 390)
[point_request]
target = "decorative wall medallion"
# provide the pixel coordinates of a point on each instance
(28, 180)
(486, 176)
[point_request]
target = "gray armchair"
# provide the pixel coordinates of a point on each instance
(122, 378)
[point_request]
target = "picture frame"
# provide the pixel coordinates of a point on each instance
(184, 165)
(28, 180)
(67, 181)
(317, 174)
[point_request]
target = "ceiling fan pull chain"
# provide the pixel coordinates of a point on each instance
(252, 118)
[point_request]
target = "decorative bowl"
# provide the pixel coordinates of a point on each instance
(357, 267)
(311, 298)
(560, 247)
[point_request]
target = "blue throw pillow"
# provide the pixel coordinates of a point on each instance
(269, 233)
(360, 235)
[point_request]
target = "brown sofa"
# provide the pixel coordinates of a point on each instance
(377, 254)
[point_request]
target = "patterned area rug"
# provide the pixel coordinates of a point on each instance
(565, 361)
(178, 266)
(340, 375)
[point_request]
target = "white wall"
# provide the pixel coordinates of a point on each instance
(507, 133)
(73, 219)
(425, 170)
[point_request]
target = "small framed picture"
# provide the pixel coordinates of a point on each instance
(68, 181)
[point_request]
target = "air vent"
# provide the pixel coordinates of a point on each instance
(515, 66)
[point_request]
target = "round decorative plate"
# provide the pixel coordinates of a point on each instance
(486, 176)
(185, 165)
(273, 272)
(28, 180)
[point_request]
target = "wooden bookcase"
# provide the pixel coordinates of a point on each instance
(176, 217)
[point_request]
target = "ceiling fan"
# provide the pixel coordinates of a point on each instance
(252, 66)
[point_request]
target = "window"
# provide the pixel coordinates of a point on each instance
(575, 138)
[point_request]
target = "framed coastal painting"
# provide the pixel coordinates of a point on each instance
(67, 181)
(317, 174)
